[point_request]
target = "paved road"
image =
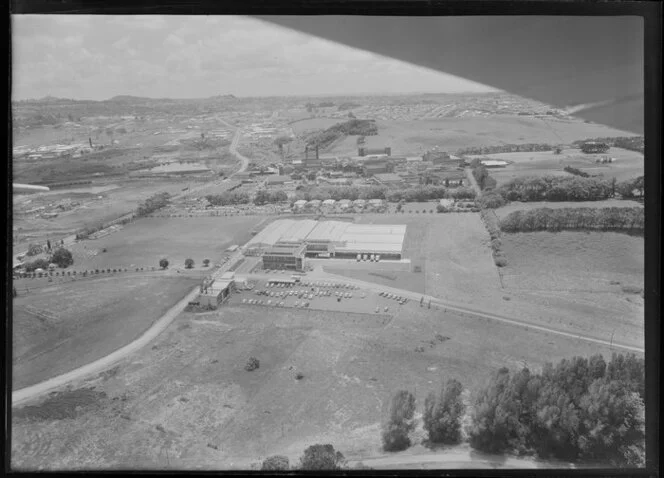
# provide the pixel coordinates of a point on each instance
(34, 391)
(456, 307)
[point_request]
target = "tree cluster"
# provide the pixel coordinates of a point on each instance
(153, 203)
(630, 219)
(322, 457)
(263, 196)
(578, 409)
(504, 148)
(556, 188)
(443, 413)
(482, 176)
(347, 106)
(36, 264)
(592, 147)
(400, 422)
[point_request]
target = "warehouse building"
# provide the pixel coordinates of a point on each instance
(280, 242)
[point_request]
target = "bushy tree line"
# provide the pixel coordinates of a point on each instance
(630, 219)
(631, 188)
(491, 200)
(353, 127)
(315, 458)
(578, 409)
(556, 188)
(576, 172)
(269, 197)
(632, 143)
(400, 422)
(413, 194)
(153, 203)
(228, 198)
(443, 413)
(505, 148)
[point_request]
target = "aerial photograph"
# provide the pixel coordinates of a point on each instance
(326, 243)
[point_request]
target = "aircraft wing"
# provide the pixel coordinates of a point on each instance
(592, 66)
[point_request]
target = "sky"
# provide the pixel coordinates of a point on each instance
(97, 57)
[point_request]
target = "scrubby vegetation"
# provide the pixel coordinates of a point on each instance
(269, 197)
(62, 257)
(579, 409)
(629, 219)
(631, 188)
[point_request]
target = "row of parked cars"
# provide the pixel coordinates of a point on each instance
(275, 303)
(398, 298)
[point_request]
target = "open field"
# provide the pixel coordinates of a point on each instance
(502, 212)
(450, 134)
(68, 325)
(627, 165)
(145, 242)
(187, 401)
(594, 278)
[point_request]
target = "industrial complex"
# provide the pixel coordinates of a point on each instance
(284, 243)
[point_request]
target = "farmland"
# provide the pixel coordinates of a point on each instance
(450, 134)
(217, 415)
(144, 242)
(68, 325)
(627, 165)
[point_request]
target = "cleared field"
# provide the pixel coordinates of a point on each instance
(414, 137)
(627, 165)
(594, 278)
(68, 325)
(145, 242)
(187, 402)
(95, 208)
(527, 206)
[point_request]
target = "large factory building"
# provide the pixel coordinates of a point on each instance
(296, 238)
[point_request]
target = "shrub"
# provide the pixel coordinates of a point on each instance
(34, 249)
(275, 463)
(491, 200)
(252, 364)
(500, 261)
(36, 264)
(206, 262)
(163, 263)
(189, 263)
(322, 457)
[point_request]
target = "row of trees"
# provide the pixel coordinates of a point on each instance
(229, 198)
(481, 174)
(352, 127)
(632, 143)
(505, 148)
(630, 219)
(153, 203)
(579, 409)
(315, 458)
(557, 188)
(413, 194)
